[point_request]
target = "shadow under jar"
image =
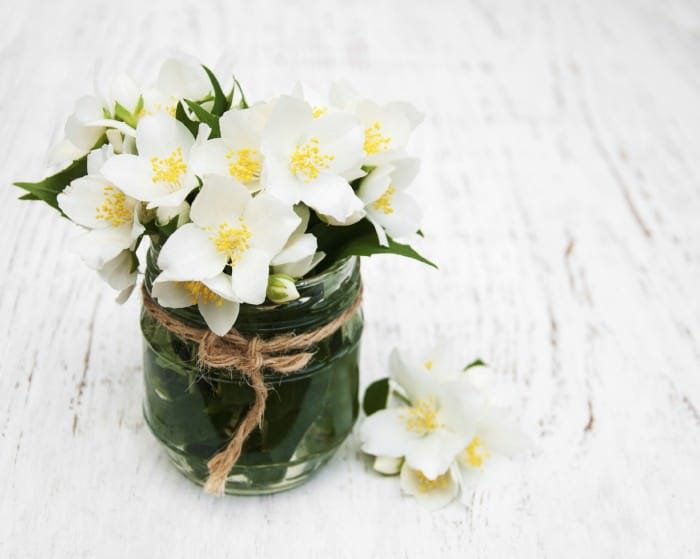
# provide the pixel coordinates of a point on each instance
(194, 412)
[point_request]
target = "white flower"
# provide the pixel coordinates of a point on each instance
(160, 174)
(229, 228)
(214, 298)
(180, 77)
(93, 116)
(431, 493)
(98, 205)
(299, 255)
(388, 207)
(312, 159)
(237, 152)
(386, 127)
(496, 438)
(431, 430)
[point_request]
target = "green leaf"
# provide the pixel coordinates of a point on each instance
(475, 363)
(49, 188)
(220, 101)
(181, 115)
(359, 239)
(376, 396)
(368, 245)
(123, 114)
(139, 106)
(206, 117)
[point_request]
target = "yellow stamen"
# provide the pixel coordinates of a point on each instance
(383, 203)
(244, 164)
(475, 454)
(374, 141)
(232, 241)
(307, 160)
(319, 111)
(428, 364)
(170, 108)
(425, 484)
(200, 293)
(113, 208)
(168, 169)
(422, 417)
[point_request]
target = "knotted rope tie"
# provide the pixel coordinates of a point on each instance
(282, 355)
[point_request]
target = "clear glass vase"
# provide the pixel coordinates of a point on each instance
(194, 412)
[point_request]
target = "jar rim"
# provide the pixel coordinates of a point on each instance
(319, 278)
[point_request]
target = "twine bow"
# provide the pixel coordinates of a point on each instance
(283, 354)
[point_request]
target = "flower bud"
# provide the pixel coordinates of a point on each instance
(387, 465)
(281, 288)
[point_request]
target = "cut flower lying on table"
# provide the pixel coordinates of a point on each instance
(240, 200)
(438, 425)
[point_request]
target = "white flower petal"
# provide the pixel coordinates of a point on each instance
(210, 158)
(97, 157)
(189, 254)
(171, 294)
(331, 195)
(263, 211)
(340, 134)
(301, 267)
(176, 198)
(118, 272)
(403, 220)
(219, 315)
(221, 200)
(405, 171)
(82, 136)
(183, 77)
(159, 135)
(249, 276)
(80, 200)
(278, 180)
(243, 128)
(289, 118)
(133, 175)
(460, 406)
(299, 248)
(99, 246)
(125, 91)
(432, 495)
(415, 381)
(433, 453)
(384, 433)
(221, 285)
(375, 184)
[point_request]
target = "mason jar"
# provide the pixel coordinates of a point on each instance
(194, 412)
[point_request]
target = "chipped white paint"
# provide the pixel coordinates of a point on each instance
(561, 187)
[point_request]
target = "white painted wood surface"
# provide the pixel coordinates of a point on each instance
(562, 199)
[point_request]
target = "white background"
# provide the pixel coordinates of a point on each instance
(560, 187)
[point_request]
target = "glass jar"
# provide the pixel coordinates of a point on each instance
(194, 412)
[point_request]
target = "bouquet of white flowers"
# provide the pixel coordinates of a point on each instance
(240, 200)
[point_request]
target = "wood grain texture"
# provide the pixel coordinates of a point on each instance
(561, 191)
